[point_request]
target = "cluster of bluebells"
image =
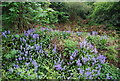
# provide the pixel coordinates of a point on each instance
(88, 45)
(5, 33)
(27, 53)
(51, 30)
(92, 63)
(87, 65)
(94, 33)
(74, 54)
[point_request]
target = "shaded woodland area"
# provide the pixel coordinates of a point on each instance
(60, 40)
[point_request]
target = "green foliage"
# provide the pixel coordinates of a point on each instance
(107, 13)
(25, 15)
(71, 10)
(62, 14)
(76, 9)
(70, 43)
(112, 53)
(111, 71)
(98, 41)
(11, 54)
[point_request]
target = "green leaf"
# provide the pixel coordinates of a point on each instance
(17, 36)
(11, 54)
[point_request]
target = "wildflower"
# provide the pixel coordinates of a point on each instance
(88, 73)
(30, 59)
(68, 31)
(35, 36)
(21, 47)
(75, 53)
(23, 40)
(37, 47)
(30, 31)
(84, 59)
(94, 59)
(58, 67)
(26, 34)
(108, 77)
(84, 42)
(81, 71)
(31, 47)
(78, 62)
(101, 58)
(95, 51)
(18, 73)
(17, 66)
(34, 63)
(27, 64)
(80, 45)
(99, 66)
(42, 29)
(87, 68)
(26, 52)
(3, 34)
(41, 51)
(54, 50)
(8, 32)
(71, 58)
(91, 77)
(10, 70)
(88, 34)
(91, 46)
(94, 33)
(98, 72)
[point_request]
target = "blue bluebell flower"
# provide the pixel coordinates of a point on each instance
(4, 35)
(101, 58)
(20, 58)
(10, 70)
(81, 71)
(34, 62)
(78, 63)
(75, 53)
(8, 32)
(42, 29)
(54, 50)
(87, 68)
(84, 59)
(58, 67)
(27, 63)
(108, 77)
(71, 58)
(87, 73)
(94, 33)
(35, 36)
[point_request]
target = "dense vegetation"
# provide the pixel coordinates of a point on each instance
(56, 40)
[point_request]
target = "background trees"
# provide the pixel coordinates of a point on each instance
(107, 13)
(24, 15)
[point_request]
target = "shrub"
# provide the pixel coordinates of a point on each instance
(99, 41)
(107, 13)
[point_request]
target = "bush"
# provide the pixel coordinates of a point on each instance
(99, 41)
(106, 13)
(26, 15)
(72, 9)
